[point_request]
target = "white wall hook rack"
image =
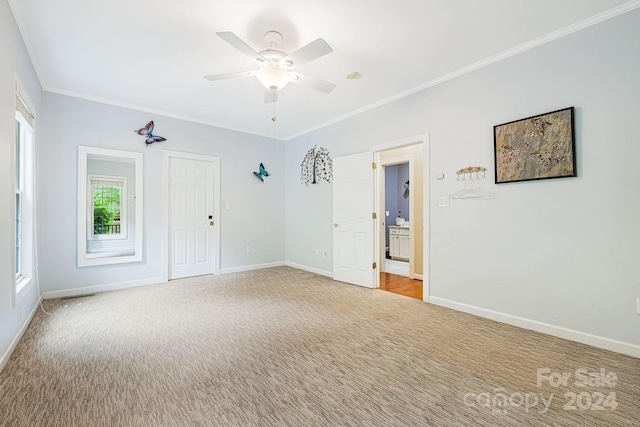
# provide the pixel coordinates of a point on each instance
(472, 177)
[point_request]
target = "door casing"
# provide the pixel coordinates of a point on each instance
(376, 150)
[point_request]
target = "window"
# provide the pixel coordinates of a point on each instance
(23, 164)
(18, 188)
(109, 208)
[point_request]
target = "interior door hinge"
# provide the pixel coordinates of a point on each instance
(374, 165)
(374, 266)
(374, 215)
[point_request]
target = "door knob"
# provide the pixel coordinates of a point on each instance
(335, 225)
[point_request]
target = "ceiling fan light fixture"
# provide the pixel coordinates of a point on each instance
(275, 67)
(273, 78)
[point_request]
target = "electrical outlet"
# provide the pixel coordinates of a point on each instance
(325, 253)
(227, 205)
(317, 251)
(638, 305)
(443, 201)
(248, 249)
(19, 314)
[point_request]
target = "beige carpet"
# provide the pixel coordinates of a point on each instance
(283, 347)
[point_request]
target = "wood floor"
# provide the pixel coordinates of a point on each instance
(401, 285)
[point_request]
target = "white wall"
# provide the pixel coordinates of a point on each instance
(562, 252)
(13, 58)
(256, 217)
(309, 208)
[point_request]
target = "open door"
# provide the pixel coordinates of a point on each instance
(353, 222)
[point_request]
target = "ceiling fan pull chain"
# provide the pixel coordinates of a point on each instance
(273, 119)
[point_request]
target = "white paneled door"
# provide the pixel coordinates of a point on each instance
(353, 225)
(191, 217)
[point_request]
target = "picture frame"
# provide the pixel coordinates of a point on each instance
(534, 148)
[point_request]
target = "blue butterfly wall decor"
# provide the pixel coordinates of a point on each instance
(261, 173)
(148, 132)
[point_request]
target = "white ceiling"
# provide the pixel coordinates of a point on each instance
(152, 54)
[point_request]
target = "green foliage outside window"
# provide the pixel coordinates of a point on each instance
(106, 209)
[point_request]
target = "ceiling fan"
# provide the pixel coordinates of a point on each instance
(276, 68)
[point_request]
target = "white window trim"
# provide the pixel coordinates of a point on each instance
(26, 277)
(120, 181)
(18, 234)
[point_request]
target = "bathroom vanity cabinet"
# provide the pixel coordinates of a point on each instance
(399, 242)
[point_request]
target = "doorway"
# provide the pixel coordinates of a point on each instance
(397, 219)
(408, 244)
(191, 215)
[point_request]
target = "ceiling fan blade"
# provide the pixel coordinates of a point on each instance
(239, 44)
(231, 75)
(308, 53)
(313, 83)
(270, 96)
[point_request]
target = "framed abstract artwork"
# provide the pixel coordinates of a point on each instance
(538, 147)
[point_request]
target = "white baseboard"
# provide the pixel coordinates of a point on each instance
(251, 267)
(14, 343)
(100, 288)
(417, 276)
(309, 269)
(557, 331)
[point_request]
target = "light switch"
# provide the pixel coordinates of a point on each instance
(386, 213)
(227, 205)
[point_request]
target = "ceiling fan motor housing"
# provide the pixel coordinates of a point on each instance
(273, 38)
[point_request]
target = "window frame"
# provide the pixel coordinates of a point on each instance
(23, 203)
(18, 158)
(115, 181)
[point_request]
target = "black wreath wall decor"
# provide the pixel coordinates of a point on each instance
(316, 165)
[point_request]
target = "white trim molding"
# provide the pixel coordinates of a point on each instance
(424, 140)
(251, 267)
(545, 328)
(309, 269)
(74, 292)
(532, 44)
(4, 358)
